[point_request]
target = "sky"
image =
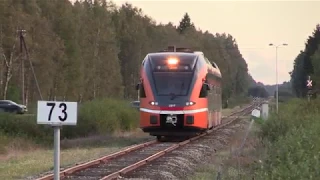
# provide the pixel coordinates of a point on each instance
(254, 25)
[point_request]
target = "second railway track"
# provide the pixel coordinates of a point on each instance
(122, 162)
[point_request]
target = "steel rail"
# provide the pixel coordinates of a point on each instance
(159, 154)
(103, 159)
(119, 154)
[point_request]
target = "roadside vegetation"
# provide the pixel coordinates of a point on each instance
(292, 142)
(291, 138)
(286, 146)
(97, 117)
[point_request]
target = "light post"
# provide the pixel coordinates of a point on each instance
(277, 88)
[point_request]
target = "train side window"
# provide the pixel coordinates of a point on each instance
(213, 64)
(142, 91)
(204, 90)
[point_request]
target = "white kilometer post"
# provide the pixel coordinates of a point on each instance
(57, 114)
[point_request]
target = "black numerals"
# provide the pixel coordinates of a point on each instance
(63, 108)
(52, 107)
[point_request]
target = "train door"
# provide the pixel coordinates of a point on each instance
(217, 104)
(210, 108)
(215, 101)
(211, 102)
(206, 93)
(220, 102)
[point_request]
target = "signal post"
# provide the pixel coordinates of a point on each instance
(309, 86)
(57, 114)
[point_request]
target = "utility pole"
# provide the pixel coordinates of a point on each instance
(21, 35)
(277, 86)
(24, 46)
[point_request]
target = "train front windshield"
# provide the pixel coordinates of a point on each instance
(172, 83)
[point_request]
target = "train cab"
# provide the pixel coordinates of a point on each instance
(179, 93)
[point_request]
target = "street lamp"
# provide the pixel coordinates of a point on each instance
(277, 88)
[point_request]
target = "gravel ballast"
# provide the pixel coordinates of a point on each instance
(181, 163)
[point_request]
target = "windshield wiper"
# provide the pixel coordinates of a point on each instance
(181, 88)
(173, 95)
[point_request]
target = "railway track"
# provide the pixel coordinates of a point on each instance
(122, 162)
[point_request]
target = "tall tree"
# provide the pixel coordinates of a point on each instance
(93, 49)
(305, 65)
(311, 46)
(298, 75)
(185, 23)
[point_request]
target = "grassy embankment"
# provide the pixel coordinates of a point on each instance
(292, 142)
(287, 146)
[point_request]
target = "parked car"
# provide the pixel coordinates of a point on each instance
(10, 106)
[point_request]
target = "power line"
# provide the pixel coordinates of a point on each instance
(266, 47)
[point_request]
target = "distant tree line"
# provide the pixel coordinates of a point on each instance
(258, 91)
(307, 63)
(93, 49)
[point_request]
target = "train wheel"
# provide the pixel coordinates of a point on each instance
(159, 138)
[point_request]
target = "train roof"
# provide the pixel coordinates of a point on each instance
(181, 54)
(187, 52)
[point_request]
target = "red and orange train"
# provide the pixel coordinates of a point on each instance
(179, 92)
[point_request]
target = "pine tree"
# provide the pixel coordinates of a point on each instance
(185, 23)
(311, 47)
(303, 65)
(298, 75)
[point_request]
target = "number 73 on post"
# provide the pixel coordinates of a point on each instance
(57, 113)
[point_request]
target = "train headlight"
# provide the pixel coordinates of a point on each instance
(172, 61)
(190, 103)
(153, 103)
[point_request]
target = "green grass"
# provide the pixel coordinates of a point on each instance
(23, 164)
(37, 161)
(292, 142)
(24, 158)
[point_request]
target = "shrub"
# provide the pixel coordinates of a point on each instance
(94, 117)
(103, 116)
(293, 143)
(22, 126)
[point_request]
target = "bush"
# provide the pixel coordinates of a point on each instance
(23, 126)
(94, 117)
(293, 143)
(103, 116)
